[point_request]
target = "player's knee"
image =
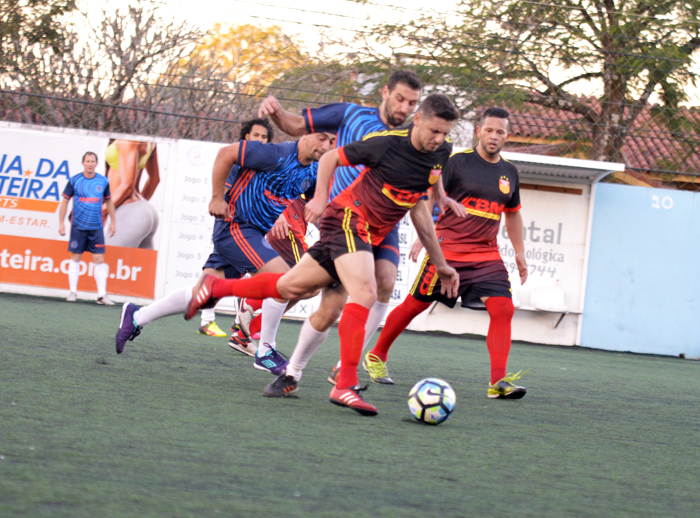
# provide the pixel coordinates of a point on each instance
(501, 308)
(385, 284)
(365, 298)
(292, 291)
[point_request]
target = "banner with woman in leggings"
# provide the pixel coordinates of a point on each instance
(136, 218)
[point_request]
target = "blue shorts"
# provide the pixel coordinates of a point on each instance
(240, 251)
(389, 248)
(86, 240)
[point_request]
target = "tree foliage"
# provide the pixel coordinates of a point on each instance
(602, 60)
(26, 26)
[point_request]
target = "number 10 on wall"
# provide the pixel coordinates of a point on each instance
(658, 202)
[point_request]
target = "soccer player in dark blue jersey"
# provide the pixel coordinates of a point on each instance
(252, 184)
(259, 130)
(89, 191)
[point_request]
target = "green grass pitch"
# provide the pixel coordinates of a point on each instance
(177, 427)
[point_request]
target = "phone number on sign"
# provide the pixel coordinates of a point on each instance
(533, 269)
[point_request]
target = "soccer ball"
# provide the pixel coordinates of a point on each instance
(431, 400)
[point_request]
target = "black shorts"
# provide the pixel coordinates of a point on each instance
(344, 231)
(476, 280)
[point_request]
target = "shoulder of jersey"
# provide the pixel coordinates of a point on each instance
(387, 133)
(463, 152)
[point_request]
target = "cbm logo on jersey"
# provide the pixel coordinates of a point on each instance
(504, 185)
(21, 185)
(435, 173)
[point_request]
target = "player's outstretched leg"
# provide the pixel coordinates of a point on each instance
(128, 330)
(209, 290)
(134, 318)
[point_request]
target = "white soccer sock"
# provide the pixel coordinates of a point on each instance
(174, 304)
(208, 315)
(376, 315)
(73, 275)
(101, 272)
(308, 343)
(272, 312)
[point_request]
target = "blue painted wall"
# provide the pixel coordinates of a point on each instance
(643, 287)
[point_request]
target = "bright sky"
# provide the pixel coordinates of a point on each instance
(307, 19)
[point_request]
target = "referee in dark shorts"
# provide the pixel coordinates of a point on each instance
(89, 191)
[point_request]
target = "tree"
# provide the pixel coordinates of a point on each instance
(24, 26)
(260, 61)
(555, 54)
(113, 79)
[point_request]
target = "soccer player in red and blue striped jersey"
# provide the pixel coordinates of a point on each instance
(252, 184)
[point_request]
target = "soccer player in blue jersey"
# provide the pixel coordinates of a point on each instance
(259, 130)
(252, 184)
(350, 122)
(89, 191)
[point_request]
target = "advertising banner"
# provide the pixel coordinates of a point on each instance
(35, 167)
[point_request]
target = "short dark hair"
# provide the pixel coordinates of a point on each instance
(499, 113)
(407, 77)
(247, 127)
(439, 105)
(89, 153)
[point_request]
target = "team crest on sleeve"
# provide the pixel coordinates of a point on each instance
(504, 185)
(435, 173)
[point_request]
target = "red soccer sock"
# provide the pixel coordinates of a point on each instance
(396, 322)
(501, 311)
(351, 329)
(255, 304)
(260, 286)
(255, 325)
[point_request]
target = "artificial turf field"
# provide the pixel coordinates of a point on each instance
(177, 426)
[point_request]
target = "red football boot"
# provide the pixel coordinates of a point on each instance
(352, 398)
(202, 298)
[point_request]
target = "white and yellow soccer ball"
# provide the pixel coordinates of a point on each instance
(431, 400)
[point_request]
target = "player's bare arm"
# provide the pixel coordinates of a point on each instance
(281, 228)
(226, 158)
(514, 227)
(109, 205)
(423, 223)
(287, 121)
(445, 202)
(326, 170)
(62, 211)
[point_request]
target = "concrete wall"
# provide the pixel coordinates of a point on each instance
(642, 287)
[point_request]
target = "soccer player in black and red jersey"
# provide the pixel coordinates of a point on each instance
(488, 186)
(400, 166)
